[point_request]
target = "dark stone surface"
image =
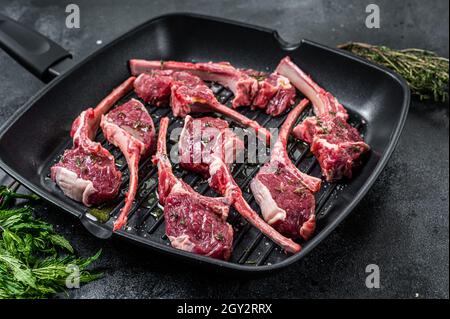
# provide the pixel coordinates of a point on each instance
(402, 223)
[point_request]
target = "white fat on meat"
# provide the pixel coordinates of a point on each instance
(269, 208)
(74, 187)
(182, 242)
(215, 166)
(326, 144)
(122, 138)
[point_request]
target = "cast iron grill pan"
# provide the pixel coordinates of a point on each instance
(35, 137)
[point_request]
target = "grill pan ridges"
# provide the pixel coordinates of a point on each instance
(250, 247)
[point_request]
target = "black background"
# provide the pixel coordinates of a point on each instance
(402, 223)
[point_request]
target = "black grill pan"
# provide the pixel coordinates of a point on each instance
(38, 133)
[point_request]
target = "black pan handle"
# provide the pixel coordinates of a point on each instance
(30, 48)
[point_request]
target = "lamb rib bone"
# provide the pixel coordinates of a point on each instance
(323, 102)
(102, 108)
(130, 128)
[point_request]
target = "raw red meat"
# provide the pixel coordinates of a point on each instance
(204, 137)
(187, 94)
(209, 147)
(244, 87)
(285, 194)
(275, 95)
(87, 172)
(194, 223)
(130, 128)
(271, 92)
(336, 144)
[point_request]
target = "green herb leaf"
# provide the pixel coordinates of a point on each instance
(220, 236)
(19, 270)
(34, 259)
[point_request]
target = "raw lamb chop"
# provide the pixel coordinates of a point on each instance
(194, 223)
(203, 137)
(336, 144)
(187, 94)
(130, 128)
(271, 92)
(275, 95)
(87, 172)
(285, 194)
(208, 146)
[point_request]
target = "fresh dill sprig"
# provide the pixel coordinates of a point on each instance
(425, 72)
(7, 196)
(34, 259)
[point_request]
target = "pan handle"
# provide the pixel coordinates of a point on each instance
(31, 49)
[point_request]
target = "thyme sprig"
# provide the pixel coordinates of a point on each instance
(425, 72)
